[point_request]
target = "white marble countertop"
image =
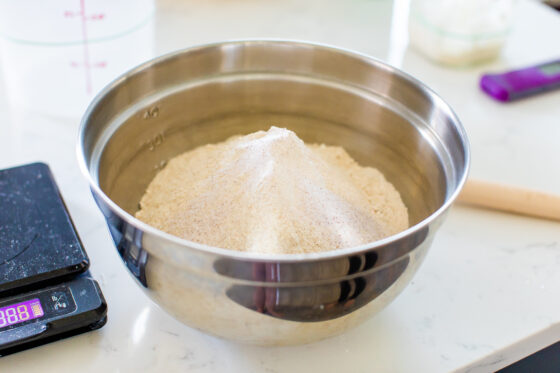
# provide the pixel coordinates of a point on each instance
(486, 295)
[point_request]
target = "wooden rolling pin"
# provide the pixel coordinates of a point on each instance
(511, 199)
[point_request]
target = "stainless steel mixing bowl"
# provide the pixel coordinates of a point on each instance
(381, 116)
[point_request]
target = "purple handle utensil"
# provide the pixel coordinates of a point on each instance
(523, 82)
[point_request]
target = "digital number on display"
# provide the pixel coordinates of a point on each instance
(20, 312)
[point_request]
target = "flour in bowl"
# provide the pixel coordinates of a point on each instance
(269, 192)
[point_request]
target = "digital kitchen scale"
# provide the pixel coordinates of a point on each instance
(46, 292)
(516, 84)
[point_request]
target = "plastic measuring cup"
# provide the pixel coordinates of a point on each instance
(56, 55)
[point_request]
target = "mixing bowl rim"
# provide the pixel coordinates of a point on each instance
(264, 257)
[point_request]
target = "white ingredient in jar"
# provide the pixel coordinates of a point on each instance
(458, 32)
(269, 192)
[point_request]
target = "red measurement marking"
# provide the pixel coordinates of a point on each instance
(96, 17)
(92, 17)
(86, 46)
(86, 64)
(99, 65)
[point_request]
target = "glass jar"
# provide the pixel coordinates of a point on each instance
(459, 32)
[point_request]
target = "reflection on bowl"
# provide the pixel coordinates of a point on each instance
(381, 116)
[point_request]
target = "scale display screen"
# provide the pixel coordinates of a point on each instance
(44, 304)
(550, 69)
(20, 312)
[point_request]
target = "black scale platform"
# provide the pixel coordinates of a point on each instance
(46, 292)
